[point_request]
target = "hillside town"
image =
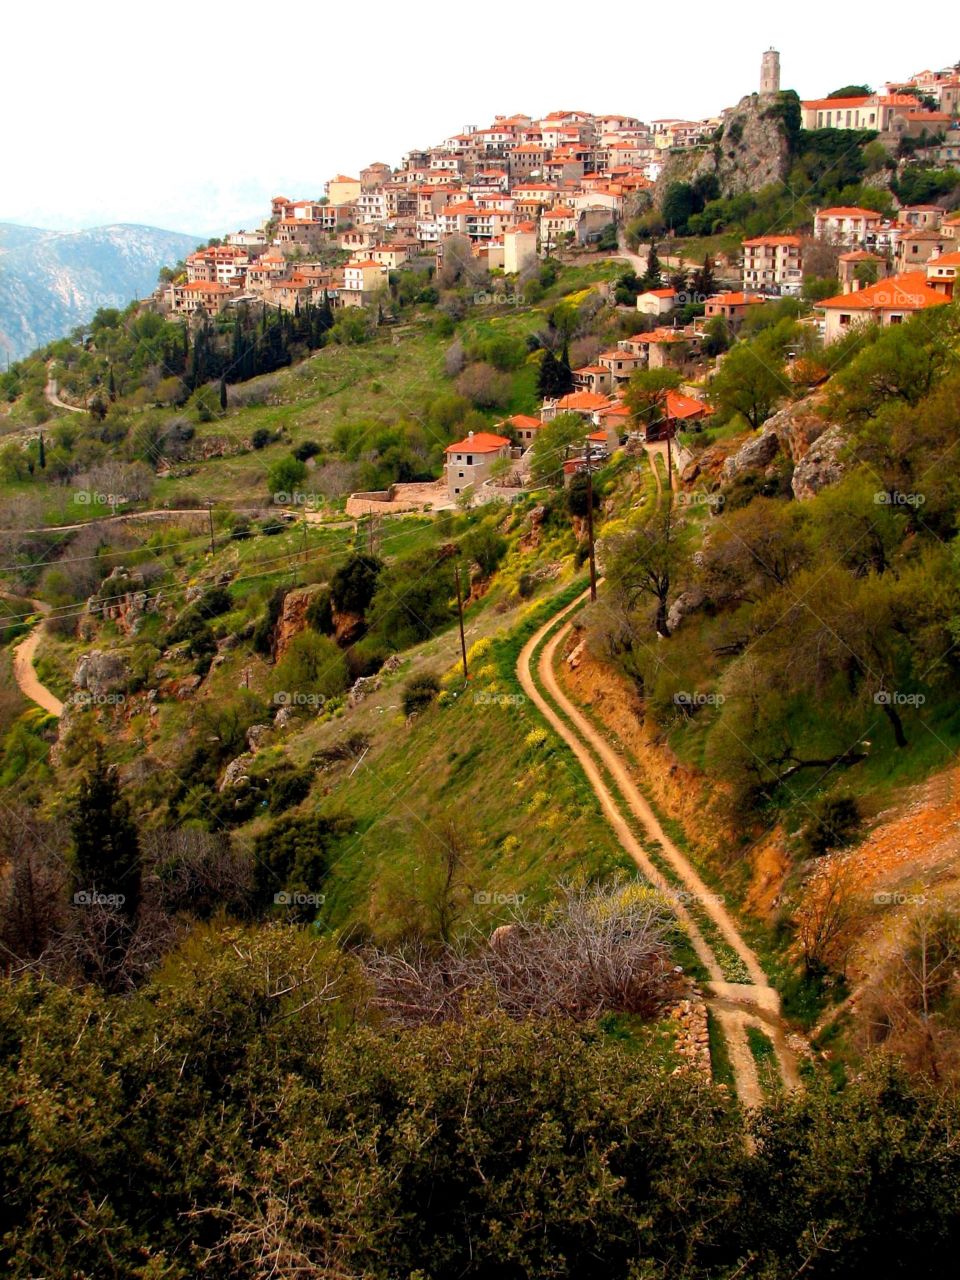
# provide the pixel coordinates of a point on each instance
(513, 195)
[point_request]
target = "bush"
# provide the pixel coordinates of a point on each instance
(835, 823)
(306, 449)
(289, 788)
(261, 438)
(319, 613)
(419, 692)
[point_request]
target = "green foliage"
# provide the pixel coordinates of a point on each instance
(419, 692)
(286, 476)
(106, 848)
(414, 598)
(552, 444)
(750, 382)
(313, 667)
(353, 585)
(293, 856)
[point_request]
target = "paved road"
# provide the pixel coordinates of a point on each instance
(736, 1005)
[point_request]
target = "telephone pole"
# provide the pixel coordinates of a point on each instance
(593, 561)
(463, 642)
(210, 515)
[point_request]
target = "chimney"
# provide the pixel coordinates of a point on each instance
(469, 435)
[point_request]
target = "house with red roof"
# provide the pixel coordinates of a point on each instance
(887, 302)
(731, 307)
(773, 263)
(593, 377)
(656, 302)
(524, 427)
(470, 462)
(680, 413)
(846, 224)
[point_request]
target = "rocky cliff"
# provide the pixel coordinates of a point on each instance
(752, 152)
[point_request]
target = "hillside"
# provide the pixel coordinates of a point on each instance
(51, 281)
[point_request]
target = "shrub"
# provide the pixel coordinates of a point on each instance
(835, 823)
(419, 692)
(261, 438)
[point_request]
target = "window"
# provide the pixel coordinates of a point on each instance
(844, 321)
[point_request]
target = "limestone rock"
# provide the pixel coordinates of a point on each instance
(821, 465)
(754, 454)
(237, 772)
(293, 617)
(101, 672)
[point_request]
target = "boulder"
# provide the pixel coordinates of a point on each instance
(363, 686)
(237, 772)
(686, 603)
(257, 735)
(753, 455)
(821, 465)
(101, 672)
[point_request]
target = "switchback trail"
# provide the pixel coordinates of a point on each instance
(735, 1005)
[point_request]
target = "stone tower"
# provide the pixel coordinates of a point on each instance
(770, 73)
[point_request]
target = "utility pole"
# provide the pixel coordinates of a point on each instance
(463, 642)
(593, 561)
(210, 515)
(304, 539)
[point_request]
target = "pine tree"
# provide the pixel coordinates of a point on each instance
(106, 848)
(653, 277)
(704, 283)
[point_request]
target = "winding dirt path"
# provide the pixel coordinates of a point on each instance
(735, 1005)
(25, 675)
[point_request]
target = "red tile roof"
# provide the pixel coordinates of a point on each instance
(909, 292)
(847, 211)
(681, 406)
(480, 442)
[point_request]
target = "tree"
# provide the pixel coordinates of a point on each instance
(653, 275)
(106, 850)
(646, 559)
(353, 585)
(551, 445)
(851, 91)
(41, 454)
(749, 382)
(703, 283)
(646, 393)
(285, 477)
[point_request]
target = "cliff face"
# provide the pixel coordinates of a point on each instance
(753, 152)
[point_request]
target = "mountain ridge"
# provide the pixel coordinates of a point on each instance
(51, 281)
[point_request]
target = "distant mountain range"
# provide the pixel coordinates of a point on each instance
(51, 281)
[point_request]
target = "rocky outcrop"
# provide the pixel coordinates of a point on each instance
(122, 599)
(257, 735)
(821, 465)
(101, 672)
(293, 617)
(237, 772)
(362, 687)
(692, 1035)
(686, 603)
(753, 455)
(752, 152)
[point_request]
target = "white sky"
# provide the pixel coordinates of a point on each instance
(191, 114)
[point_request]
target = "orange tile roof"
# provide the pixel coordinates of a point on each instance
(480, 442)
(789, 240)
(660, 293)
(945, 260)
(909, 292)
(585, 400)
(847, 211)
(737, 299)
(839, 103)
(592, 368)
(681, 406)
(525, 421)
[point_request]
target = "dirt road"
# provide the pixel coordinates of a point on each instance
(26, 677)
(736, 1005)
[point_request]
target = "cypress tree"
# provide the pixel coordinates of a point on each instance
(653, 279)
(547, 377)
(564, 372)
(223, 395)
(42, 454)
(106, 848)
